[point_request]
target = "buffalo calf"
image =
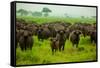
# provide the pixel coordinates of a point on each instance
(54, 45)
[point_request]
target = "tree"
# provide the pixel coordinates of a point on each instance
(66, 15)
(82, 17)
(39, 14)
(22, 12)
(93, 16)
(46, 11)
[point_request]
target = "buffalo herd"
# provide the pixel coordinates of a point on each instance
(57, 32)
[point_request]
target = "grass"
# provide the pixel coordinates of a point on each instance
(41, 20)
(41, 52)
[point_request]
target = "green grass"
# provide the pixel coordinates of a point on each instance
(41, 52)
(41, 20)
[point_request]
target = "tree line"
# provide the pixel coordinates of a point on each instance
(45, 12)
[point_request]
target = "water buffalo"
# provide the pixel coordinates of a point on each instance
(93, 36)
(62, 38)
(43, 33)
(25, 40)
(74, 37)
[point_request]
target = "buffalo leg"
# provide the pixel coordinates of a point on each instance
(52, 51)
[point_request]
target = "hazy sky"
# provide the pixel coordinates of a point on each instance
(59, 10)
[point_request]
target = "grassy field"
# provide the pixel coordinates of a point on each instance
(41, 20)
(41, 52)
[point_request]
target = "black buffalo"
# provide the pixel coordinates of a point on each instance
(75, 38)
(25, 40)
(62, 38)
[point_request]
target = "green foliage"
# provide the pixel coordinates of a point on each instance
(38, 14)
(46, 10)
(22, 12)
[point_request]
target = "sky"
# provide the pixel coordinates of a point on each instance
(59, 10)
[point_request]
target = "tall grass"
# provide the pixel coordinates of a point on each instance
(41, 53)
